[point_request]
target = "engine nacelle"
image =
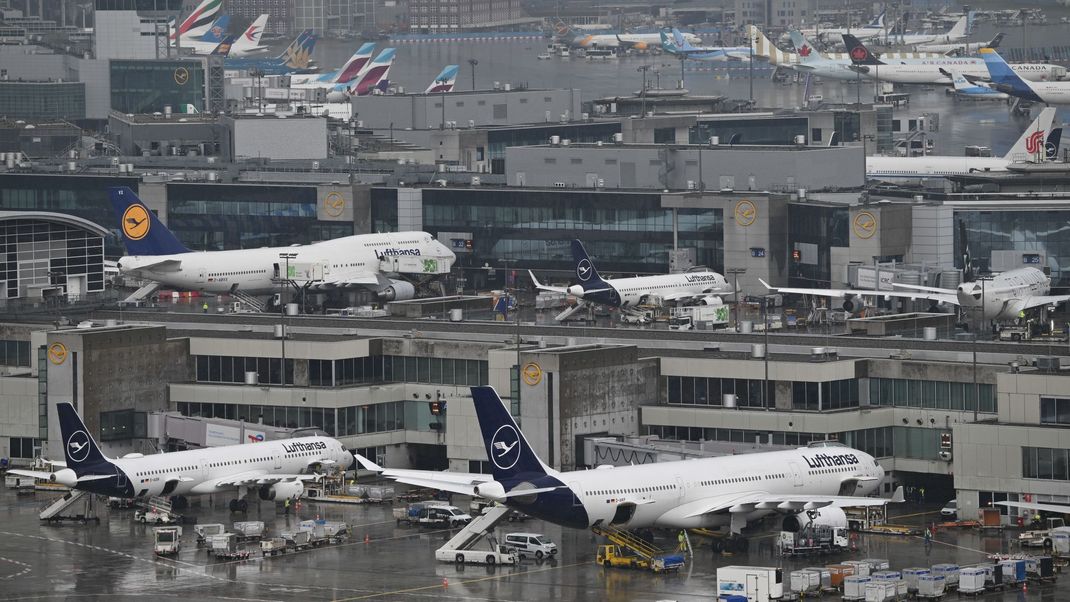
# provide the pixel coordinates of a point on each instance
(713, 300)
(491, 490)
(64, 476)
(399, 290)
(281, 491)
(829, 516)
(853, 305)
(337, 96)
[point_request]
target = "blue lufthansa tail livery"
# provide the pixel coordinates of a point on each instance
(141, 231)
(1051, 147)
(79, 449)
(509, 452)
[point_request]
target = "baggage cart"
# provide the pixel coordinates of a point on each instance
(880, 591)
(206, 530)
(1013, 571)
(972, 580)
(876, 564)
(805, 581)
(838, 572)
(825, 577)
(297, 540)
(854, 587)
(950, 572)
(273, 546)
(931, 586)
(911, 576)
(861, 567)
(249, 530)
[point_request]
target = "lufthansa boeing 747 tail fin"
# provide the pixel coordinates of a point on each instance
(141, 231)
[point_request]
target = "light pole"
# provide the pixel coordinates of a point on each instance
(643, 69)
(472, 63)
(516, 320)
(259, 75)
(285, 280)
(734, 273)
(442, 83)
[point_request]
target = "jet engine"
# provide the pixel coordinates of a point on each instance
(854, 305)
(64, 476)
(399, 290)
(828, 516)
(711, 300)
(282, 490)
(491, 490)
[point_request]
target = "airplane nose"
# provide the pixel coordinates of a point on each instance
(576, 291)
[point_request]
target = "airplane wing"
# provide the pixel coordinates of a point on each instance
(35, 474)
(455, 482)
(347, 280)
(167, 264)
(943, 297)
(1057, 508)
(757, 500)
(543, 287)
(1040, 300)
(680, 296)
(246, 479)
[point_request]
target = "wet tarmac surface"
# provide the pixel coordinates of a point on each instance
(115, 560)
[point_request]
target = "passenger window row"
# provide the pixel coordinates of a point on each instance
(633, 490)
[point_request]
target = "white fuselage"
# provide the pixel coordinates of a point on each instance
(258, 271)
(1056, 93)
(1002, 296)
(647, 289)
(932, 71)
(862, 33)
(672, 494)
(198, 46)
(197, 470)
(930, 166)
(642, 40)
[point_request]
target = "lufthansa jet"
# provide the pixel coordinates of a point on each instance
(701, 286)
(352, 261)
(271, 469)
(727, 491)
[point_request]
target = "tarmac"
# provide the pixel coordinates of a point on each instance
(384, 561)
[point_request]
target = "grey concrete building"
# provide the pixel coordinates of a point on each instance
(463, 108)
(686, 167)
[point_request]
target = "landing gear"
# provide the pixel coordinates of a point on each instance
(179, 502)
(239, 505)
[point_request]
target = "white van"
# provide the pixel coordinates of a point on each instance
(531, 544)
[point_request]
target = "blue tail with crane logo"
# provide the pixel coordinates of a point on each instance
(141, 231)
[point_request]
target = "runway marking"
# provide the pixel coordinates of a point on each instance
(914, 514)
(462, 582)
(25, 568)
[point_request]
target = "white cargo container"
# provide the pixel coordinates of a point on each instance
(880, 591)
(249, 529)
(886, 575)
(972, 579)
(854, 587)
(949, 571)
(876, 564)
(206, 530)
(756, 583)
(825, 575)
(862, 568)
(912, 575)
(931, 586)
(804, 581)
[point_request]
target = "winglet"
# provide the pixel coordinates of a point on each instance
(766, 284)
(367, 464)
(534, 280)
(898, 496)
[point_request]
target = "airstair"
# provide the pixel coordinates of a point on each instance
(251, 301)
(158, 504)
(480, 527)
(143, 292)
(74, 505)
(629, 541)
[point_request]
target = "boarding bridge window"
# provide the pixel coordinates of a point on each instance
(1047, 463)
(664, 135)
(122, 424)
(480, 467)
(1054, 410)
(383, 417)
(688, 390)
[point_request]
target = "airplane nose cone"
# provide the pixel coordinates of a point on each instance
(349, 461)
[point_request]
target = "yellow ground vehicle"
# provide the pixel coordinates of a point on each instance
(612, 555)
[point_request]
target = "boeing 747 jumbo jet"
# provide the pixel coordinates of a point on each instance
(273, 469)
(727, 491)
(350, 261)
(626, 293)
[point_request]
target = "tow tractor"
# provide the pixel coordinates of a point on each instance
(629, 551)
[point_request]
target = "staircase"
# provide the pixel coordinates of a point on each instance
(480, 527)
(628, 540)
(56, 510)
(159, 504)
(142, 292)
(249, 300)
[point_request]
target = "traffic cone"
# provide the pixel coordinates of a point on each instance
(445, 582)
(367, 538)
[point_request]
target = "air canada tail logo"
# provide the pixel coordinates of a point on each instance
(805, 50)
(136, 222)
(78, 446)
(1034, 141)
(505, 447)
(859, 54)
(583, 269)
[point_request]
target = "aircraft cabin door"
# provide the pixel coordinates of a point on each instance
(278, 461)
(577, 492)
(679, 487)
(204, 470)
(201, 275)
(796, 473)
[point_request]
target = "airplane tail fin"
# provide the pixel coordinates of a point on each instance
(218, 30)
(804, 48)
(958, 80)
(877, 22)
(376, 74)
(140, 230)
(958, 31)
(444, 81)
(81, 452)
(1001, 72)
(586, 273)
(666, 44)
(680, 40)
(200, 20)
(762, 47)
(1051, 149)
(356, 65)
(860, 55)
(250, 38)
(969, 22)
(299, 54)
(224, 46)
(509, 452)
(995, 41)
(1031, 144)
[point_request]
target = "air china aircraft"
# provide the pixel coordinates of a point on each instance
(350, 261)
(712, 492)
(626, 293)
(1032, 146)
(272, 469)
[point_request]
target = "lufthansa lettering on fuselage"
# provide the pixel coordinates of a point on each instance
(701, 278)
(393, 252)
(828, 460)
(293, 448)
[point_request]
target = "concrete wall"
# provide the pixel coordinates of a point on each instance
(274, 138)
(673, 167)
(486, 107)
(18, 409)
(932, 235)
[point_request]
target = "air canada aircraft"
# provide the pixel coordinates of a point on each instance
(347, 262)
(626, 293)
(272, 469)
(725, 491)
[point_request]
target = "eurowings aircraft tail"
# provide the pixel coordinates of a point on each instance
(444, 81)
(354, 67)
(139, 228)
(79, 449)
(249, 41)
(1033, 141)
(376, 75)
(1004, 77)
(860, 55)
(586, 273)
(199, 21)
(218, 30)
(510, 454)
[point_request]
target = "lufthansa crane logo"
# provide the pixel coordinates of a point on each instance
(864, 225)
(57, 353)
(78, 446)
(334, 204)
(505, 447)
(532, 374)
(136, 222)
(745, 213)
(181, 76)
(583, 269)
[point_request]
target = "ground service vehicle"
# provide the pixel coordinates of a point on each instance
(153, 516)
(432, 514)
(500, 554)
(756, 583)
(167, 540)
(612, 555)
(950, 510)
(531, 544)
